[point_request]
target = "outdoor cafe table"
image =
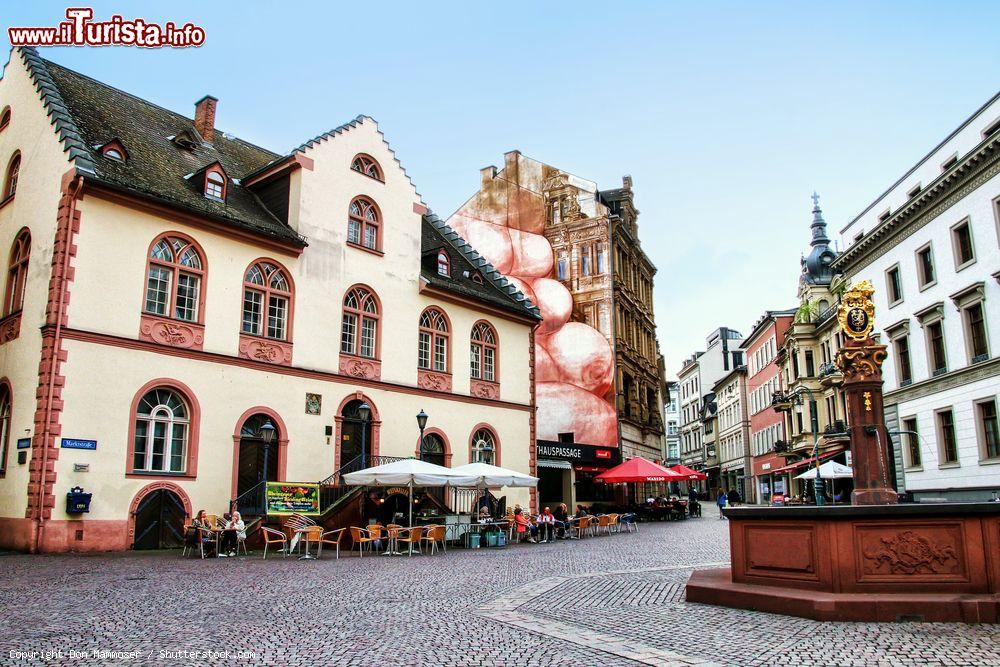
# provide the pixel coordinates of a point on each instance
(301, 533)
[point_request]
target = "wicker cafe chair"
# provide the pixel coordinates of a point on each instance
(361, 537)
(434, 535)
(377, 532)
(615, 527)
(411, 536)
(272, 536)
(333, 538)
(603, 524)
(581, 527)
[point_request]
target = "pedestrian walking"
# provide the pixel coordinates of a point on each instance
(721, 502)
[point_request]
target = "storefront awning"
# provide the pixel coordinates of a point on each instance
(806, 462)
(553, 463)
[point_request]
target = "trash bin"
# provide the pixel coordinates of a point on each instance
(491, 539)
(473, 540)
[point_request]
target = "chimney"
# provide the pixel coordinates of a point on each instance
(487, 174)
(204, 117)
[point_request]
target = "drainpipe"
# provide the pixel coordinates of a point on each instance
(72, 188)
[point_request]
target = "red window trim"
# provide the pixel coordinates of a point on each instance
(5, 445)
(378, 167)
(194, 430)
(495, 346)
(115, 145)
(359, 313)
(442, 254)
(5, 116)
(265, 304)
(9, 185)
(496, 441)
(17, 271)
(364, 225)
(225, 183)
(435, 334)
(444, 438)
(176, 269)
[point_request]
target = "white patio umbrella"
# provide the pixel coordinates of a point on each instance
(487, 475)
(409, 473)
(828, 470)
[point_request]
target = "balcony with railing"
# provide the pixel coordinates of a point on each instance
(829, 375)
(836, 431)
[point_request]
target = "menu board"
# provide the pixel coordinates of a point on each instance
(285, 498)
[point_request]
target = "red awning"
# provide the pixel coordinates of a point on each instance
(806, 462)
(638, 470)
(688, 473)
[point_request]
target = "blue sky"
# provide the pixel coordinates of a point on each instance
(727, 115)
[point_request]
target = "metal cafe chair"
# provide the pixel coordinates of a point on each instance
(333, 538)
(272, 536)
(360, 537)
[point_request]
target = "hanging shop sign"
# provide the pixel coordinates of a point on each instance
(292, 498)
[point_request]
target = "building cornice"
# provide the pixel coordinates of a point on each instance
(979, 166)
(962, 376)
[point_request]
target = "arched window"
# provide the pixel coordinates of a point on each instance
(215, 185)
(266, 290)
(484, 352)
(4, 118)
(4, 423)
(359, 331)
(366, 164)
(484, 446)
(10, 183)
(162, 424)
(174, 278)
(444, 264)
(432, 449)
(364, 224)
(17, 274)
(432, 350)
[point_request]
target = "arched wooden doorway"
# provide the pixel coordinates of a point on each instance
(356, 444)
(158, 515)
(433, 449)
(258, 457)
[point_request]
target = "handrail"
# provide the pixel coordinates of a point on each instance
(245, 499)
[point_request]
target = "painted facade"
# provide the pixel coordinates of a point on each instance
(92, 346)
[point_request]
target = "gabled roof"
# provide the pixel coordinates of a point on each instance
(87, 114)
(495, 288)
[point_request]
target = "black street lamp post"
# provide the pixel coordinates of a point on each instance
(421, 424)
(364, 412)
(819, 490)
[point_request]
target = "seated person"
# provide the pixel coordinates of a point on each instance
(546, 526)
(235, 530)
(562, 520)
(523, 527)
(484, 515)
(203, 527)
(581, 511)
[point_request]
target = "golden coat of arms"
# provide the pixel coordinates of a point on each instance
(856, 313)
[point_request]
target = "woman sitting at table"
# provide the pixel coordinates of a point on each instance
(235, 531)
(202, 528)
(562, 520)
(522, 526)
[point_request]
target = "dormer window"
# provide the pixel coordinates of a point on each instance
(113, 150)
(215, 185)
(444, 264)
(366, 164)
(185, 139)
(477, 278)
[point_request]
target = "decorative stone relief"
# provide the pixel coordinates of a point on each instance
(10, 327)
(270, 351)
(433, 381)
(367, 369)
(164, 331)
(909, 552)
(483, 389)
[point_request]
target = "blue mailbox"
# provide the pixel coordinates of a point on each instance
(77, 502)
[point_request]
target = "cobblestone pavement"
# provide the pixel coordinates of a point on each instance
(604, 601)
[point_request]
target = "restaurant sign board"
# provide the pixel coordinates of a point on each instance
(285, 498)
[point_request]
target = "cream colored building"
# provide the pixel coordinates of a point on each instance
(184, 287)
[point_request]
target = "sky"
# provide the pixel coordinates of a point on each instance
(726, 115)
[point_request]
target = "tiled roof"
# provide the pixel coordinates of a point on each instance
(465, 262)
(88, 114)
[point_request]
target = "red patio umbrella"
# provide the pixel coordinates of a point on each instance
(688, 473)
(638, 470)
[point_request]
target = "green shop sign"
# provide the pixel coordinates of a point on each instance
(285, 498)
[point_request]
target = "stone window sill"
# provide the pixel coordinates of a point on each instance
(373, 251)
